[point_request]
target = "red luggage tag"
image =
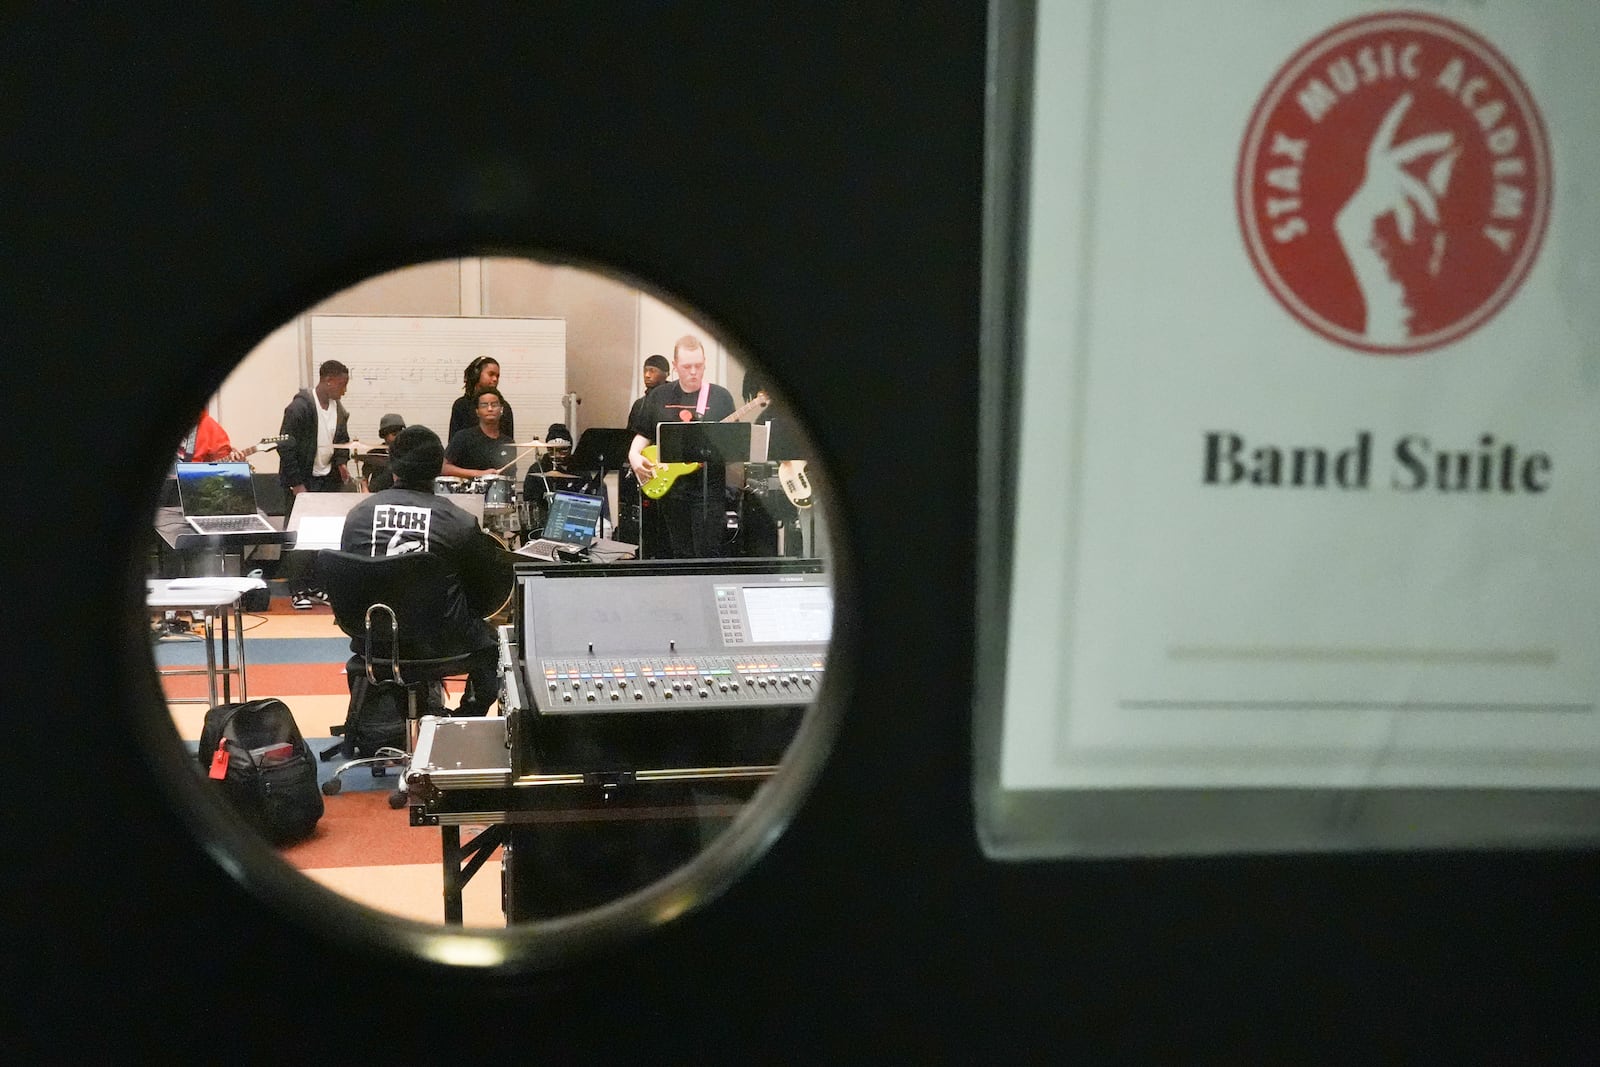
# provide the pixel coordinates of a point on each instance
(219, 763)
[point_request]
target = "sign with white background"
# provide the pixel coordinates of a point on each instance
(1307, 416)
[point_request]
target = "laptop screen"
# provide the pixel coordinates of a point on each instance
(216, 489)
(574, 518)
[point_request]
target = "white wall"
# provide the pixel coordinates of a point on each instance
(251, 401)
(660, 325)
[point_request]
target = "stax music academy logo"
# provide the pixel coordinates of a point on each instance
(1394, 183)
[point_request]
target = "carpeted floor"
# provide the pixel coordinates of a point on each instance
(361, 848)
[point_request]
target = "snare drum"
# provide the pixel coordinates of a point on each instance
(449, 486)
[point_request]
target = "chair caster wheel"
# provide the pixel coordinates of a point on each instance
(397, 800)
(331, 787)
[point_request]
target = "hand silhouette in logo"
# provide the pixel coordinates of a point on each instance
(1387, 188)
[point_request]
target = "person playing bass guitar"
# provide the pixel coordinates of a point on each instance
(693, 510)
(411, 518)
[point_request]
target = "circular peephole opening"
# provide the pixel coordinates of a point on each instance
(494, 595)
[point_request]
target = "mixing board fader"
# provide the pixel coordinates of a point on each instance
(584, 685)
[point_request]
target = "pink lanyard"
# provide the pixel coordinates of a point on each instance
(705, 392)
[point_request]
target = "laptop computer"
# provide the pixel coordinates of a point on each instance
(220, 498)
(572, 527)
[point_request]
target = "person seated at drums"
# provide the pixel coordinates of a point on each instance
(549, 473)
(481, 373)
(483, 449)
(409, 517)
(375, 464)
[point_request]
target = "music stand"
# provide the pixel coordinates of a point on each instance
(784, 441)
(704, 442)
(602, 449)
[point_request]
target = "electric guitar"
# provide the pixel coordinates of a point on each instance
(266, 444)
(667, 473)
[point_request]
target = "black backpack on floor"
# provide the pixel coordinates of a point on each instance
(376, 718)
(254, 753)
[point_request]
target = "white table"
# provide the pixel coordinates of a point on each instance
(209, 599)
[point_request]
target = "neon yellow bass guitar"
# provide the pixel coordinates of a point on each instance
(667, 473)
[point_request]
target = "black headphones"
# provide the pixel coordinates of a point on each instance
(474, 371)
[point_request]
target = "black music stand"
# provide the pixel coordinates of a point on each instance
(602, 449)
(784, 441)
(705, 443)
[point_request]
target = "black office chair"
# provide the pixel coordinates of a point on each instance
(391, 607)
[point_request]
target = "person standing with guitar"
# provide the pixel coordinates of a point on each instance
(693, 509)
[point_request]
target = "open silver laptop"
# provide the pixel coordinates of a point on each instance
(220, 498)
(572, 527)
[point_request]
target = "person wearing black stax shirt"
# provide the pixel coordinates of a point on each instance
(484, 448)
(692, 510)
(410, 518)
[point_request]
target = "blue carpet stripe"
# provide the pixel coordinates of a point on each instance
(184, 652)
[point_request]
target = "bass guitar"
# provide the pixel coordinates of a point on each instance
(796, 486)
(667, 473)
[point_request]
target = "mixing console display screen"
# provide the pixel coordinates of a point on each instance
(788, 614)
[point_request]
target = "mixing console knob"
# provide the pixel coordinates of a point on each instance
(638, 694)
(615, 695)
(552, 687)
(735, 684)
(723, 687)
(566, 698)
(576, 685)
(795, 678)
(667, 694)
(590, 698)
(704, 693)
(652, 683)
(807, 679)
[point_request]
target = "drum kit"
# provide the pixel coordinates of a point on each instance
(510, 516)
(505, 515)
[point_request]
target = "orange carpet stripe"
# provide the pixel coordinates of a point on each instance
(268, 679)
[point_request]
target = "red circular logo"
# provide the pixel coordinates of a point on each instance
(1394, 183)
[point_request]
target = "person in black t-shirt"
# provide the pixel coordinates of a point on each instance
(639, 522)
(693, 509)
(481, 373)
(375, 464)
(484, 448)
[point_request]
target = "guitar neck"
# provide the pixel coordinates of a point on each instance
(750, 409)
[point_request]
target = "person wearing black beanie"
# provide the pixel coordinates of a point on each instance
(638, 524)
(411, 518)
